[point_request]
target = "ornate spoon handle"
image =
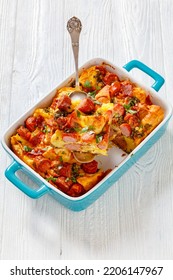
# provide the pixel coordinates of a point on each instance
(74, 27)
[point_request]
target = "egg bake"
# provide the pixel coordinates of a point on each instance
(116, 112)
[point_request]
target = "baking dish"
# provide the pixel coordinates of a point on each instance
(116, 158)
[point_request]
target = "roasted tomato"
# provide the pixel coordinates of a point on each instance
(90, 167)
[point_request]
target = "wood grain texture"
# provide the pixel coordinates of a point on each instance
(134, 218)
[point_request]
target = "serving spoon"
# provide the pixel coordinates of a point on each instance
(74, 27)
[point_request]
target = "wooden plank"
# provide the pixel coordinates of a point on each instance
(133, 219)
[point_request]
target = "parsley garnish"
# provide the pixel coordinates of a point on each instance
(92, 93)
(61, 159)
(46, 129)
(87, 84)
(53, 179)
(78, 114)
(27, 149)
(99, 138)
(87, 128)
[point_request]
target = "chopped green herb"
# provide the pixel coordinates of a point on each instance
(99, 138)
(127, 106)
(87, 128)
(73, 179)
(27, 149)
(46, 129)
(87, 84)
(92, 93)
(75, 170)
(132, 111)
(97, 102)
(60, 158)
(47, 110)
(78, 114)
(53, 179)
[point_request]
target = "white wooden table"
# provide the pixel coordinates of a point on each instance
(134, 218)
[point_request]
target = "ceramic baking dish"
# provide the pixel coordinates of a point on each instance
(118, 158)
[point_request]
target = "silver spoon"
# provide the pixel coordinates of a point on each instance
(74, 27)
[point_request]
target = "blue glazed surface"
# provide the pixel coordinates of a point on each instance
(10, 174)
(83, 202)
(159, 80)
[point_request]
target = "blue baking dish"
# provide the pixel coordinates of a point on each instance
(113, 159)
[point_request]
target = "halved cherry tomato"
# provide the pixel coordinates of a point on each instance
(90, 167)
(126, 129)
(86, 106)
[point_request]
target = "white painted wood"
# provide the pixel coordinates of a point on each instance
(133, 219)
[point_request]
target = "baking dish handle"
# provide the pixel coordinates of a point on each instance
(159, 80)
(10, 173)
